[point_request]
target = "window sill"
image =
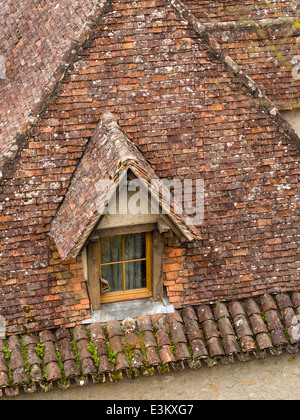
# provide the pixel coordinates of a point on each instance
(130, 309)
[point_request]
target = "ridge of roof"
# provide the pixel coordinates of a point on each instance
(248, 24)
(221, 332)
(261, 100)
(50, 89)
(107, 157)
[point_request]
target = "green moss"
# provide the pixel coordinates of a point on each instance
(76, 352)
(63, 381)
(30, 320)
(40, 352)
(172, 345)
(26, 362)
(112, 355)
(116, 376)
(143, 348)
(26, 309)
(163, 369)
(94, 351)
(129, 353)
(98, 379)
(7, 358)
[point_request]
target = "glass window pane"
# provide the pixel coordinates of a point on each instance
(111, 249)
(135, 246)
(114, 275)
(135, 275)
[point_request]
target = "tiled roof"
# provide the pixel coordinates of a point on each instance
(108, 154)
(188, 115)
(221, 54)
(34, 73)
(210, 333)
(39, 43)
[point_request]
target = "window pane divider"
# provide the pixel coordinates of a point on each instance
(126, 261)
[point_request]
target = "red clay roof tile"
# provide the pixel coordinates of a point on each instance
(140, 353)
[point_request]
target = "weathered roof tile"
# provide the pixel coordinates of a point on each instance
(13, 343)
(166, 355)
(66, 349)
(16, 360)
(248, 344)
(198, 349)
(189, 314)
(36, 373)
(284, 301)
(267, 303)
(273, 320)
(288, 315)
(153, 356)
(147, 338)
(279, 337)
(141, 346)
(225, 327)
(215, 347)
(264, 341)
(258, 324)
(96, 331)
(32, 357)
(4, 380)
(53, 372)
(134, 341)
(231, 345)
(105, 365)
(116, 343)
(82, 349)
(236, 308)
(137, 359)
(62, 333)
(50, 354)
(163, 338)
(71, 369)
(88, 367)
(20, 376)
(182, 352)
(80, 332)
(144, 324)
(296, 299)
(113, 329)
(242, 327)
(121, 362)
(193, 330)
(210, 329)
(177, 332)
(251, 307)
(204, 313)
(45, 336)
(220, 311)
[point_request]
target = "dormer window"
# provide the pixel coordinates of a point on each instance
(122, 252)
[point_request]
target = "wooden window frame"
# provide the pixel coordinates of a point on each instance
(135, 293)
(93, 268)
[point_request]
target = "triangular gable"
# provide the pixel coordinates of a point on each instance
(108, 156)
